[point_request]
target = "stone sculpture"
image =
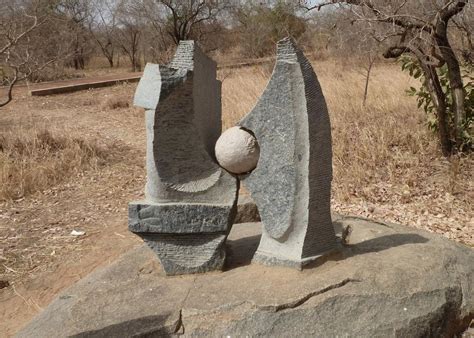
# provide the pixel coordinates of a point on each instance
(291, 184)
(281, 150)
(190, 201)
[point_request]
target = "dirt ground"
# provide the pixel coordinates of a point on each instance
(38, 227)
(38, 255)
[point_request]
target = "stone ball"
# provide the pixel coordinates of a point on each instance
(237, 151)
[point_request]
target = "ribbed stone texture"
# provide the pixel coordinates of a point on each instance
(190, 201)
(291, 184)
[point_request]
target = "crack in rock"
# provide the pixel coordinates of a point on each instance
(180, 325)
(179, 328)
(359, 218)
(300, 301)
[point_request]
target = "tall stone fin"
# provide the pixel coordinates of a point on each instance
(292, 182)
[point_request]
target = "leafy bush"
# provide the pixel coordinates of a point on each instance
(425, 101)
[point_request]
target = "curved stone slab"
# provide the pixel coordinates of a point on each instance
(179, 154)
(292, 182)
(183, 123)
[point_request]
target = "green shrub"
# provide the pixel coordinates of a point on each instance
(425, 101)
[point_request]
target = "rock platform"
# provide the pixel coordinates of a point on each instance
(387, 281)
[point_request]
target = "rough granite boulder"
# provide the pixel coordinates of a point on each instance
(387, 281)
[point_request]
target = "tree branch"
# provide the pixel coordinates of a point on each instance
(14, 40)
(9, 97)
(404, 21)
(452, 9)
(397, 51)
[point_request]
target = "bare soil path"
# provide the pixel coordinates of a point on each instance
(69, 82)
(85, 85)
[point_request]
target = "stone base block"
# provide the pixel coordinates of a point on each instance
(270, 260)
(180, 218)
(186, 237)
(190, 253)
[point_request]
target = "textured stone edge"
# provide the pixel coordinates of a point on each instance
(171, 263)
(272, 260)
(179, 218)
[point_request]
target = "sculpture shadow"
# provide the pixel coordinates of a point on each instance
(373, 245)
(383, 243)
(241, 251)
(149, 326)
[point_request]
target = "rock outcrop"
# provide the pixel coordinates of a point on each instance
(387, 281)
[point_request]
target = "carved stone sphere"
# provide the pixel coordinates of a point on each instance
(237, 151)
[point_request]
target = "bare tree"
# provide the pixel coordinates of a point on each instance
(129, 32)
(75, 14)
(102, 27)
(261, 25)
(419, 29)
(17, 60)
(369, 56)
(186, 17)
(156, 40)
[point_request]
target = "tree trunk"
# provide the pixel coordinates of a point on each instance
(109, 55)
(132, 61)
(439, 101)
(135, 61)
(9, 97)
(455, 81)
(367, 79)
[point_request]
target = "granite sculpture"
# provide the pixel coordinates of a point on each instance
(291, 184)
(281, 150)
(190, 201)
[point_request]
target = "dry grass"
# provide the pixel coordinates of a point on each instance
(387, 165)
(116, 102)
(36, 159)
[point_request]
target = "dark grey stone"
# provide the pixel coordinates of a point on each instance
(188, 253)
(187, 194)
(291, 184)
(388, 281)
(183, 218)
